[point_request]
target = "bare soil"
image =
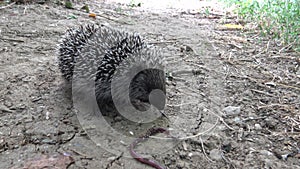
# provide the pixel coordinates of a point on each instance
(211, 69)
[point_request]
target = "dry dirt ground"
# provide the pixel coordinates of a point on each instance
(233, 97)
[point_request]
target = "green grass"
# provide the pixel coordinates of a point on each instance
(279, 19)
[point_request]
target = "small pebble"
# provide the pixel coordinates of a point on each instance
(231, 110)
(122, 142)
(47, 115)
(257, 126)
(111, 158)
(215, 154)
(184, 145)
(265, 152)
(237, 120)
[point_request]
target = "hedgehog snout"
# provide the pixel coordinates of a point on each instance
(157, 98)
(148, 89)
(144, 100)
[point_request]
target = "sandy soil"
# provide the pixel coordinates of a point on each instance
(233, 97)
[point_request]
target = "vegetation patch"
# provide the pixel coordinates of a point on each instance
(278, 19)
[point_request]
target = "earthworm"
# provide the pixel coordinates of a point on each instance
(141, 159)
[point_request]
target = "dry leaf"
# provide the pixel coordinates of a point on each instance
(233, 26)
(93, 15)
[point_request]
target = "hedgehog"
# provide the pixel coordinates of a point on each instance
(124, 68)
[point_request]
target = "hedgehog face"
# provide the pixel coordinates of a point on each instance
(148, 88)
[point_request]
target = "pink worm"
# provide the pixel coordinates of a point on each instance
(141, 159)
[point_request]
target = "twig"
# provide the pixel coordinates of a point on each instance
(252, 118)
(200, 66)
(115, 20)
(201, 133)
(24, 12)
(13, 40)
(284, 57)
(112, 161)
(272, 105)
(3, 7)
(262, 92)
(286, 133)
(184, 104)
(227, 160)
(268, 45)
(265, 50)
(288, 86)
(202, 145)
(287, 46)
(236, 46)
(188, 137)
(3, 109)
(68, 139)
(162, 42)
(193, 71)
(83, 156)
(222, 120)
(250, 79)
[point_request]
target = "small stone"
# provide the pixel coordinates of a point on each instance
(215, 154)
(111, 158)
(122, 142)
(184, 145)
(265, 152)
(237, 120)
(47, 115)
(231, 110)
(257, 126)
(118, 118)
(271, 84)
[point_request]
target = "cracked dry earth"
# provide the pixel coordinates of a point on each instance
(242, 89)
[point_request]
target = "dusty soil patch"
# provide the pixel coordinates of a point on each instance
(234, 68)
